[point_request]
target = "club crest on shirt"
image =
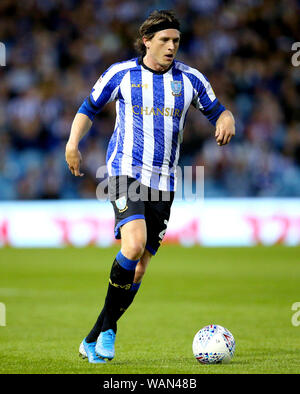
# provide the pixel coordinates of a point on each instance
(176, 88)
(121, 204)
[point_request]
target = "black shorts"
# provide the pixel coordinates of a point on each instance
(131, 200)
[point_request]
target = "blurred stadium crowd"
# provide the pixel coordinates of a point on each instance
(57, 49)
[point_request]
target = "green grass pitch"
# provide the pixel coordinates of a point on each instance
(53, 296)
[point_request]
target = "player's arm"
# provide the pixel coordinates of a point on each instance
(80, 126)
(215, 112)
(225, 128)
(103, 92)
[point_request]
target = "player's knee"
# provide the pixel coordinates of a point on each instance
(134, 248)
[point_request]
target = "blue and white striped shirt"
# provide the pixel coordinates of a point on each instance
(151, 109)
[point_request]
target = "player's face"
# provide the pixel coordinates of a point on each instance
(162, 48)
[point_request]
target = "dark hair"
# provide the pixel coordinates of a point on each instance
(155, 18)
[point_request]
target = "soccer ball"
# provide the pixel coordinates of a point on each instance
(213, 344)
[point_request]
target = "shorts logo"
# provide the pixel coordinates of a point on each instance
(121, 204)
(163, 232)
(176, 88)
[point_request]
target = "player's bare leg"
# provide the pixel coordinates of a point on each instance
(133, 239)
(141, 267)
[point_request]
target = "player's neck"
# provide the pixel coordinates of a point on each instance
(150, 63)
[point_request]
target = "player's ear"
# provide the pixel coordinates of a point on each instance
(146, 42)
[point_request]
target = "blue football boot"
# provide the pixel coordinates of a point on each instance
(105, 346)
(87, 350)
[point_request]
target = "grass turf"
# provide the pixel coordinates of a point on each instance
(53, 296)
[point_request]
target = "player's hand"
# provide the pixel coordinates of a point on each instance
(225, 128)
(73, 159)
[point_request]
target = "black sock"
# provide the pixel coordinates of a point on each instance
(118, 297)
(127, 301)
(95, 331)
(119, 286)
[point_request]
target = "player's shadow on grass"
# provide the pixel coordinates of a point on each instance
(172, 363)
